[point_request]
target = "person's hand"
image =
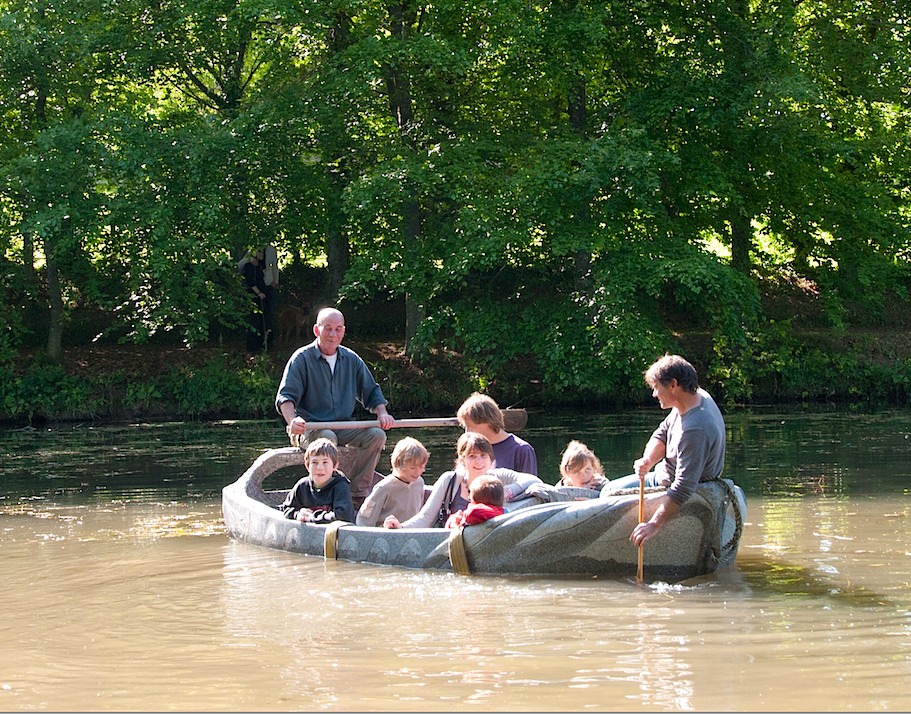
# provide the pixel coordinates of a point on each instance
(391, 522)
(643, 532)
(385, 421)
(641, 467)
(297, 426)
(304, 515)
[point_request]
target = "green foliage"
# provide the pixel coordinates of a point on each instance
(229, 386)
(784, 364)
(258, 385)
(221, 387)
(555, 167)
(45, 389)
(596, 344)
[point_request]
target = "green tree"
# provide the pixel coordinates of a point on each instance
(53, 75)
(552, 186)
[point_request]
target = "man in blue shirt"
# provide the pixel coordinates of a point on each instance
(322, 382)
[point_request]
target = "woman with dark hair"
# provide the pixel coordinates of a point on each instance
(450, 493)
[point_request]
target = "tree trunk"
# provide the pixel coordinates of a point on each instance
(735, 43)
(741, 242)
(578, 118)
(413, 311)
(398, 88)
(55, 326)
(55, 298)
(338, 246)
(28, 263)
(414, 314)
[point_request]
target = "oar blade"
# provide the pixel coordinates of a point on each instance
(514, 419)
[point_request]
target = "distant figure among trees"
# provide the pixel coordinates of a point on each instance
(254, 282)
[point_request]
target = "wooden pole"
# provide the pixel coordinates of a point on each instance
(363, 424)
(513, 420)
(640, 572)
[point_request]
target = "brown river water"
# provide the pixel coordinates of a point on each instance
(121, 591)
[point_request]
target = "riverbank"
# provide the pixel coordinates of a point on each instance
(117, 383)
(122, 383)
(802, 349)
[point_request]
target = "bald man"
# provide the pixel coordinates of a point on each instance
(323, 381)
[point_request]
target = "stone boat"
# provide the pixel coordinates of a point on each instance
(580, 535)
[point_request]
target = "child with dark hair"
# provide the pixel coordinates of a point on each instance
(487, 495)
(324, 495)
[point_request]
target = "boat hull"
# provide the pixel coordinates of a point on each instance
(566, 538)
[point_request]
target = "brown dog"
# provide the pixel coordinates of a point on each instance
(291, 323)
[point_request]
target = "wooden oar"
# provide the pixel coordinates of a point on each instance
(513, 420)
(639, 572)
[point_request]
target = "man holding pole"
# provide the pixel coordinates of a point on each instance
(322, 382)
(686, 449)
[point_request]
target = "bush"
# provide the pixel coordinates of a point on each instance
(46, 389)
(221, 387)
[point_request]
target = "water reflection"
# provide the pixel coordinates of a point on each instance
(775, 454)
(426, 641)
(429, 639)
(121, 591)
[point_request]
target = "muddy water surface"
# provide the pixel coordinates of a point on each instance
(121, 591)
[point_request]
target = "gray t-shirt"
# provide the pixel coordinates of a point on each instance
(695, 445)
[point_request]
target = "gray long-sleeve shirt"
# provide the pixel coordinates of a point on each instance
(319, 394)
(391, 497)
(695, 446)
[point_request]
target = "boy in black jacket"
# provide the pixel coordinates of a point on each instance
(323, 496)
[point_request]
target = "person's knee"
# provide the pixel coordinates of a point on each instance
(619, 484)
(370, 439)
(377, 438)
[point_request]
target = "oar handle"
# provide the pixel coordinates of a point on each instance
(513, 420)
(339, 425)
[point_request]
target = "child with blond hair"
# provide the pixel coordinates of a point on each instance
(401, 493)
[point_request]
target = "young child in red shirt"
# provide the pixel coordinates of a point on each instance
(487, 496)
